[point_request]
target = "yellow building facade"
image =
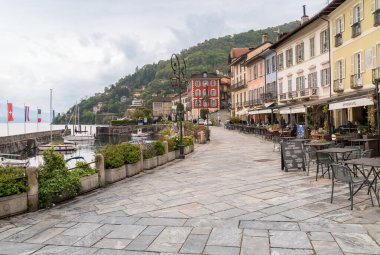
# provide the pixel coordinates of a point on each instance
(355, 56)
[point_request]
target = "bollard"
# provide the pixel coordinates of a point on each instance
(32, 179)
(142, 156)
(166, 147)
(99, 165)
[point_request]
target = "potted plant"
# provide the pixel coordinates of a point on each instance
(88, 177)
(149, 156)
(172, 142)
(188, 142)
(132, 158)
(162, 158)
(13, 188)
(113, 163)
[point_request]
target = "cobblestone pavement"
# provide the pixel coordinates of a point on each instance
(228, 197)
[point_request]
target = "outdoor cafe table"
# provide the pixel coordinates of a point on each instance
(374, 164)
(302, 140)
(319, 145)
(337, 151)
(361, 140)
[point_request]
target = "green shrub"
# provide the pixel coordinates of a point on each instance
(113, 156)
(188, 140)
(160, 149)
(131, 153)
(82, 169)
(172, 144)
(149, 150)
(55, 181)
(12, 181)
(123, 122)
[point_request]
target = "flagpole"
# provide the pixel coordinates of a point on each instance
(37, 118)
(51, 116)
(24, 119)
(7, 119)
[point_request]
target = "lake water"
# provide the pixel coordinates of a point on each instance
(86, 150)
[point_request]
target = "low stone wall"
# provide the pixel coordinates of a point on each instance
(17, 143)
(128, 129)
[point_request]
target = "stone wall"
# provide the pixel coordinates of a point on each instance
(17, 143)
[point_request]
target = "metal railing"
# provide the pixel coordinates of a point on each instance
(376, 16)
(338, 85)
(356, 81)
(375, 75)
(356, 29)
(338, 39)
(283, 96)
(239, 85)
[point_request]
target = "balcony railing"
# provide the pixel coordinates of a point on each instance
(292, 95)
(300, 94)
(356, 81)
(239, 85)
(283, 96)
(375, 75)
(246, 103)
(376, 16)
(270, 96)
(356, 29)
(338, 40)
(338, 85)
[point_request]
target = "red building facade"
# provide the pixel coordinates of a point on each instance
(204, 92)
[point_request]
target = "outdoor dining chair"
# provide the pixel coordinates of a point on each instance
(367, 153)
(310, 156)
(343, 174)
(323, 160)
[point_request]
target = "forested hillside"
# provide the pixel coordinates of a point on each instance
(209, 56)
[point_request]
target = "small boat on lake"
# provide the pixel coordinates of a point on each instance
(13, 160)
(140, 133)
(58, 147)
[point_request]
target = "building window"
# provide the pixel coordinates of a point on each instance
(204, 92)
(289, 57)
(205, 103)
(205, 83)
(376, 11)
(255, 71)
(300, 83)
(300, 52)
(214, 103)
(339, 28)
(356, 17)
(280, 89)
(261, 69)
(197, 83)
(290, 85)
(197, 92)
(324, 41)
(312, 80)
(339, 70)
(197, 103)
(280, 60)
(273, 64)
(213, 83)
(267, 66)
(312, 47)
(357, 64)
(325, 77)
(213, 92)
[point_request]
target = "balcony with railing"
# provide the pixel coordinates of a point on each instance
(238, 85)
(376, 16)
(356, 81)
(283, 96)
(338, 39)
(375, 75)
(270, 96)
(300, 94)
(338, 86)
(356, 29)
(246, 103)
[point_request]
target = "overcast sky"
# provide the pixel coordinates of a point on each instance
(77, 47)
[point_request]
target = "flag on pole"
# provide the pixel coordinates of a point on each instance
(10, 112)
(39, 115)
(26, 114)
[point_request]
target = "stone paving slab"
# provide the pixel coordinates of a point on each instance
(221, 199)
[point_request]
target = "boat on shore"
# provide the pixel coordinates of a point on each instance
(58, 147)
(13, 160)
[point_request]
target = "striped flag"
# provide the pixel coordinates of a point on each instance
(26, 114)
(39, 119)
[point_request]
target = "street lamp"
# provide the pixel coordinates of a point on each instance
(206, 99)
(178, 79)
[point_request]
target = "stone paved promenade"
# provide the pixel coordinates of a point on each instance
(228, 197)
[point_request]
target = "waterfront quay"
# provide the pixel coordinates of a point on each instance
(228, 197)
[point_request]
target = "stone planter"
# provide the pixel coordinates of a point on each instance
(150, 163)
(88, 183)
(133, 169)
(116, 174)
(14, 204)
(188, 149)
(162, 160)
(176, 153)
(171, 155)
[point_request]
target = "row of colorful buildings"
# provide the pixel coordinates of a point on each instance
(331, 60)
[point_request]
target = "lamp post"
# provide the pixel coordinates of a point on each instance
(205, 99)
(377, 84)
(179, 71)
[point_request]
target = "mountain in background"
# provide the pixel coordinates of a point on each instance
(210, 56)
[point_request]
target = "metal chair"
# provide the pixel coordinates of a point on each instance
(323, 160)
(310, 153)
(343, 174)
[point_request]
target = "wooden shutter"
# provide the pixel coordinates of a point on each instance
(351, 16)
(343, 16)
(336, 70)
(335, 27)
(343, 68)
(361, 4)
(353, 64)
(373, 6)
(362, 62)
